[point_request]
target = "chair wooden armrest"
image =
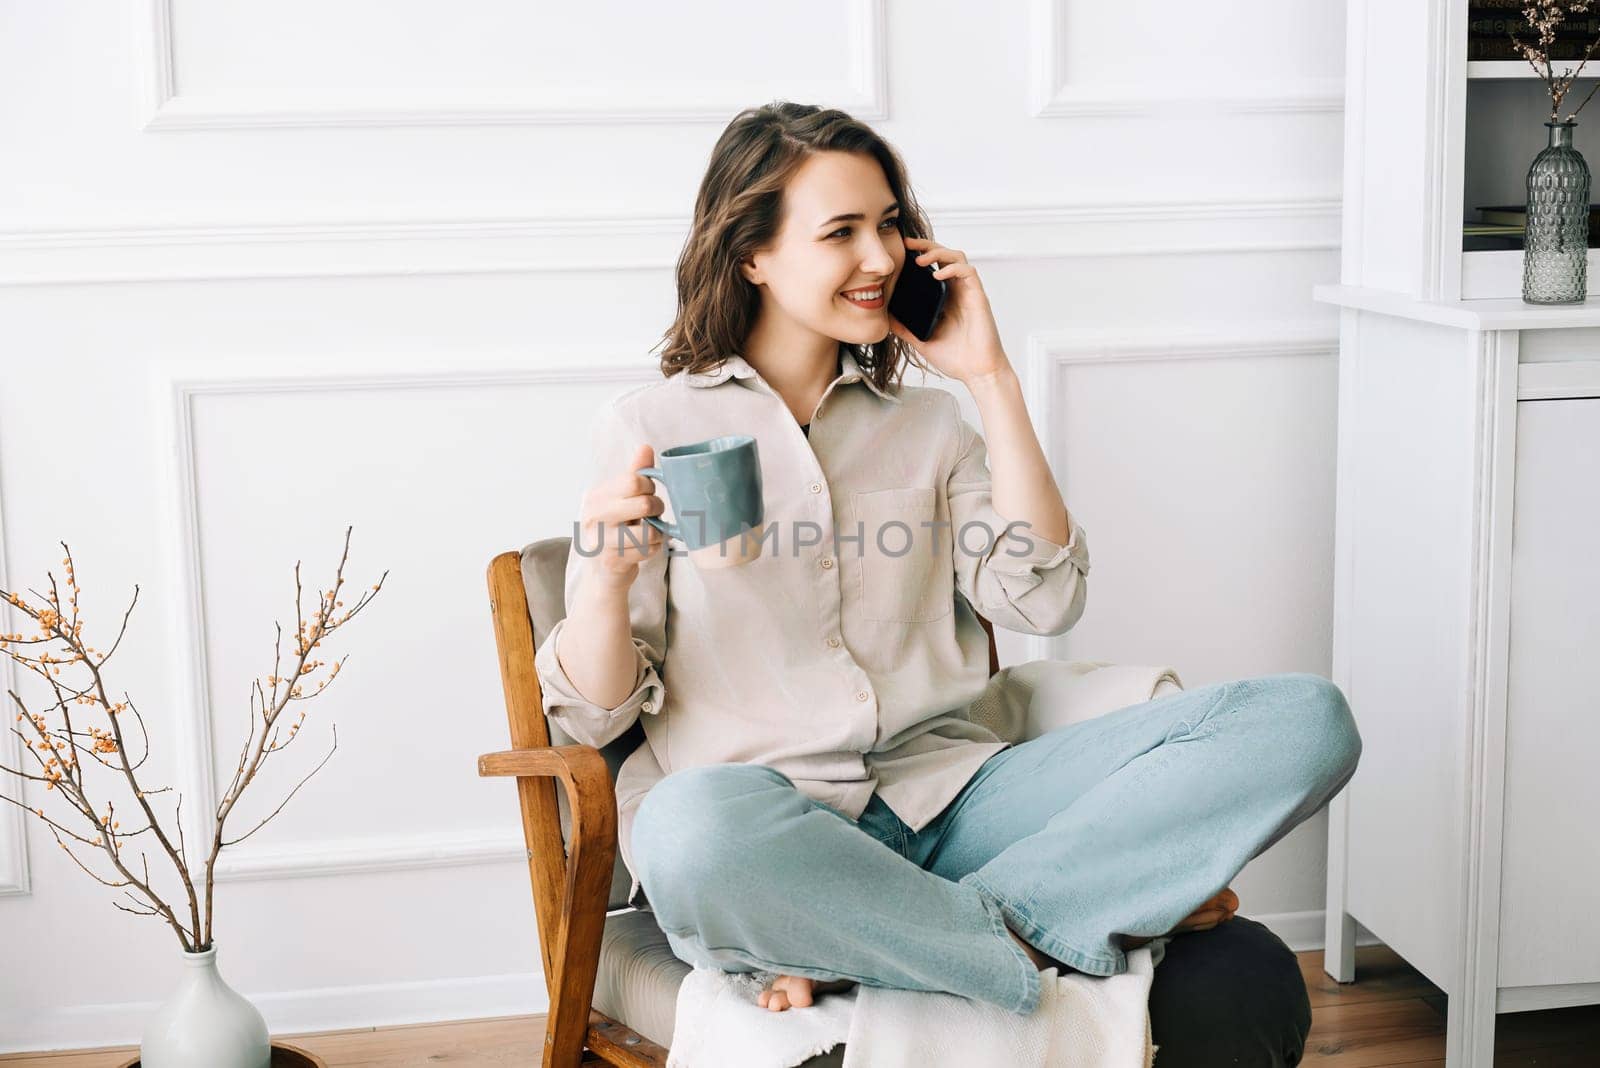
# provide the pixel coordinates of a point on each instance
(570, 897)
(569, 763)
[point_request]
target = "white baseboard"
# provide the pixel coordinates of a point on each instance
(1302, 931)
(293, 1011)
(423, 1001)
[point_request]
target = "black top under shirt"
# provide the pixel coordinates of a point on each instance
(806, 429)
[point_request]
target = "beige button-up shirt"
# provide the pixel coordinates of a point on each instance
(843, 662)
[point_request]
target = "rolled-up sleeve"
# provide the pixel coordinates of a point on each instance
(613, 440)
(1024, 582)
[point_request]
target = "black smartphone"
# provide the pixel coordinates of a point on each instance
(918, 298)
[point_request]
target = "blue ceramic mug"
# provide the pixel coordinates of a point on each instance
(715, 490)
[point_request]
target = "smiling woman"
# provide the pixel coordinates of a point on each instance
(822, 283)
(792, 224)
(814, 794)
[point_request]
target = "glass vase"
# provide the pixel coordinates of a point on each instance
(1555, 258)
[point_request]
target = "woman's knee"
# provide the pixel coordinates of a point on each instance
(692, 822)
(1311, 712)
(1336, 727)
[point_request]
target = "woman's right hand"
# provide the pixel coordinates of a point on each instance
(613, 510)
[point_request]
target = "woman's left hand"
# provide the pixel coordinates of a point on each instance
(966, 343)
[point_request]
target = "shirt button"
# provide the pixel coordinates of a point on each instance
(861, 695)
(833, 643)
(816, 487)
(827, 561)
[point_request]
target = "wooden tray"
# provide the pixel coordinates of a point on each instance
(283, 1056)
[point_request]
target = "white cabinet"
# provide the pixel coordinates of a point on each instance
(1550, 850)
(1467, 541)
(1467, 639)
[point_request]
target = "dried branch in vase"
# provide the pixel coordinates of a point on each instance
(63, 751)
(1545, 17)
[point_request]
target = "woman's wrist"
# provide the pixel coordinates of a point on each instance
(607, 585)
(1001, 380)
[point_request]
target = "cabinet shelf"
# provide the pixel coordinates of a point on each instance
(1492, 274)
(1504, 313)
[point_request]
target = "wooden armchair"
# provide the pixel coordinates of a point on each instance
(1233, 994)
(574, 875)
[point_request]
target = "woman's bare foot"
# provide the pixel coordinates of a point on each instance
(798, 991)
(1218, 909)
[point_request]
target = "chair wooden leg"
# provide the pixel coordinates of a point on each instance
(617, 1044)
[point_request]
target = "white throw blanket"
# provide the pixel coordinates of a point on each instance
(1081, 1020)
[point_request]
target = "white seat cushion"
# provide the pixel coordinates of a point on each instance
(637, 983)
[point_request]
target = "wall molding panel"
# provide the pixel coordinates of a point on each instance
(437, 849)
(1050, 354)
(1052, 94)
(175, 385)
(366, 248)
(14, 879)
(167, 109)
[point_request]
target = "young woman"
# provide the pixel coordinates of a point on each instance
(814, 798)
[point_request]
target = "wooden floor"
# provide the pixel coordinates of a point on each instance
(1390, 1016)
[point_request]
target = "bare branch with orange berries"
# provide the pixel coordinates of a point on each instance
(57, 746)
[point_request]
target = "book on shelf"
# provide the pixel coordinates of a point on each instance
(1517, 215)
(1503, 227)
(1487, 23)
(1561, 51)
(1491, 243)
(1491, 22)
(1513, 12)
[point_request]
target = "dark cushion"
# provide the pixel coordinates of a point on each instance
(1233, 995)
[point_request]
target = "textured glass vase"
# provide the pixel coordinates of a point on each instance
(1555, 257)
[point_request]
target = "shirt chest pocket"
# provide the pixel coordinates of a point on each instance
(906, 574)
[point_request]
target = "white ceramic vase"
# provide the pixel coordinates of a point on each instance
(205, 1024)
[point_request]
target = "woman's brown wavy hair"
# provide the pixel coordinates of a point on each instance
(738, 210)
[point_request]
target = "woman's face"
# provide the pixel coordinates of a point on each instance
(804, 273)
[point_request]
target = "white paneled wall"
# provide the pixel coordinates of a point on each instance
(268, 271)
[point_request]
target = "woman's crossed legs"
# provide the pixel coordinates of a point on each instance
(1115, 827)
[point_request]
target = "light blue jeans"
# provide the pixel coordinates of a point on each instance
(1121, 824)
